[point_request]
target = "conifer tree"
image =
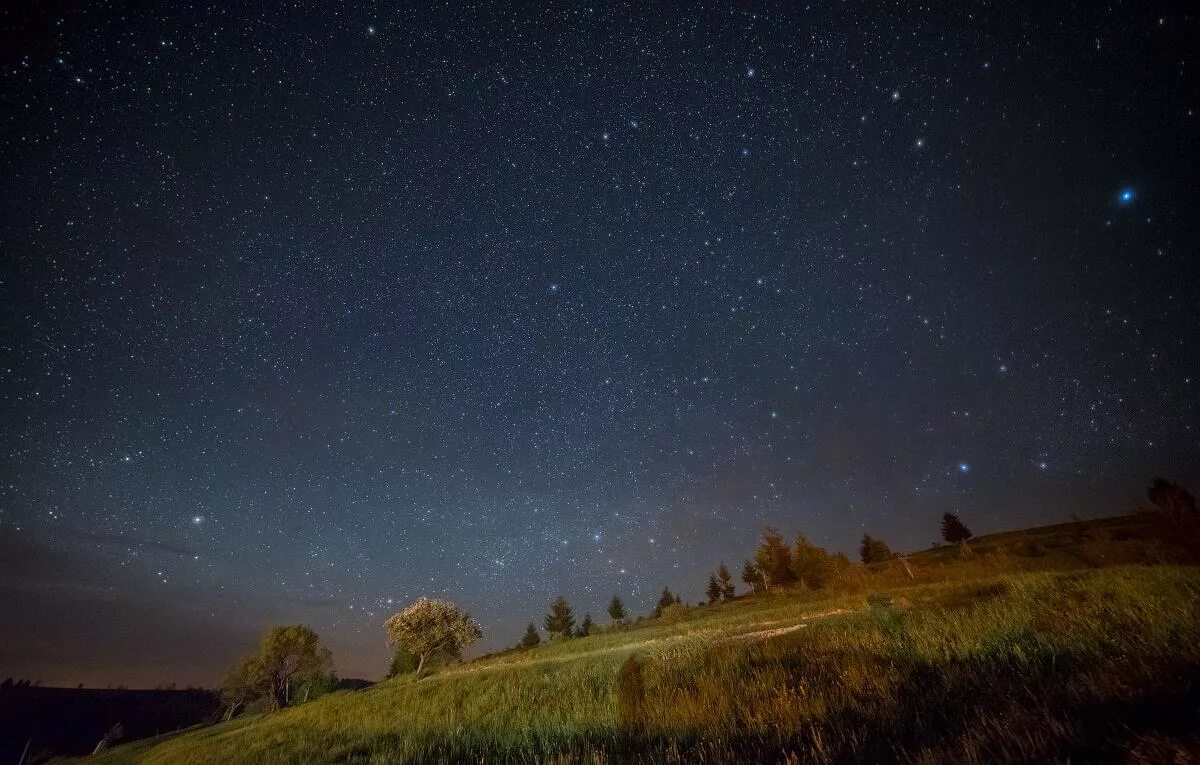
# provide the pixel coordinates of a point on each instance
(666, 599)
(616, 610)
(954, 530)
(531, 637)
(560, 622)
(726, 581)
(713, 590)
(585, 627)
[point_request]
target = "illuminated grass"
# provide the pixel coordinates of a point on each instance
(1091, 664)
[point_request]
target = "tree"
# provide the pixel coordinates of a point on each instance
(954, 530)
(664, 600)
(290, 655)
(713, 590)
(874, 550)
(242, 683)
(404, 661)
(1177, 506)
(811, 565)
(774, 559)
(560, 622)
(585, 627)
(531, 637)
(430, 627)
(753, 577)
(616, 610)
(726, 581)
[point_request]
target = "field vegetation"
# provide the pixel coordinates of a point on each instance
(1071, 643)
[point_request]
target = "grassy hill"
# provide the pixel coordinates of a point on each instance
(1075, 642)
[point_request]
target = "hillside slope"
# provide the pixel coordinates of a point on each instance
(954, 658)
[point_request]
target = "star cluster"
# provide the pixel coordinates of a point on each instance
(309, 310)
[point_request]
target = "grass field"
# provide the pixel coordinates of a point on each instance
(1076, 643)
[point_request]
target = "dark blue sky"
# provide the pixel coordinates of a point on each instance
(308, 311)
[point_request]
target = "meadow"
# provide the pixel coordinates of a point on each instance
(1078, 642)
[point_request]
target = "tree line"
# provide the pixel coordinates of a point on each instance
(291, 666)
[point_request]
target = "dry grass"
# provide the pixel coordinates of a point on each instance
(1094, 664)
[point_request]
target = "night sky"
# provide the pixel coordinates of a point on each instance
(308, 311)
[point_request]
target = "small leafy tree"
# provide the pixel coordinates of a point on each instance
(245, 681)
(531, 637)
(291, 655)
(753, 577)
(616, 610)
(560, 622)
(774, 559)
(873, 550)
(429, 627)
(954, 530)
(713, 590)
(811, 565)
(726, 581)
(585, 627)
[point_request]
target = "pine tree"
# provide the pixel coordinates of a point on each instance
(726, 581)
(953, 529)
(616, 610)
(874, 550)
(585, 628)
(666, 599)
(752, 577)
(811, 565)
(531, 638)
(774, 559)
(713, 590)
(560, 622)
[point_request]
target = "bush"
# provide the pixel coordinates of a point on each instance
(673, 614)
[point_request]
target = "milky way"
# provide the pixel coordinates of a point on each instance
(308, 311)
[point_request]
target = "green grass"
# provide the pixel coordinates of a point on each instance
(973, 659)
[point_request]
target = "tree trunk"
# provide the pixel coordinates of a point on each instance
(420, 664)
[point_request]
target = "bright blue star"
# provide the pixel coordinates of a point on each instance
(964, 467)
(1126, 196)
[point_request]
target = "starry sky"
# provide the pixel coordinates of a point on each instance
(309, 310)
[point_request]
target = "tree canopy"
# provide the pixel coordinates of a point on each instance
(560, 622)
(429, 627)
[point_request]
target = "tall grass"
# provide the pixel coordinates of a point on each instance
(1089, 665)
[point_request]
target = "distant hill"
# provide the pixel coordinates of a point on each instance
(70, 721)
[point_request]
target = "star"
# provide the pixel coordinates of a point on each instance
(1126, 196)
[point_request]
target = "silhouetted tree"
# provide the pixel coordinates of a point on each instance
(811, 565)
(774, 559)
(1177, 506)
(560, 622)
(585, 627)
(873, 550)
(713, 590)
(726, 581)
(753, 577)
(531, 637)
(954, 530)
(616, 610)
(664, 600)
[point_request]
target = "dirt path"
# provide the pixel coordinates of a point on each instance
(715, 637)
